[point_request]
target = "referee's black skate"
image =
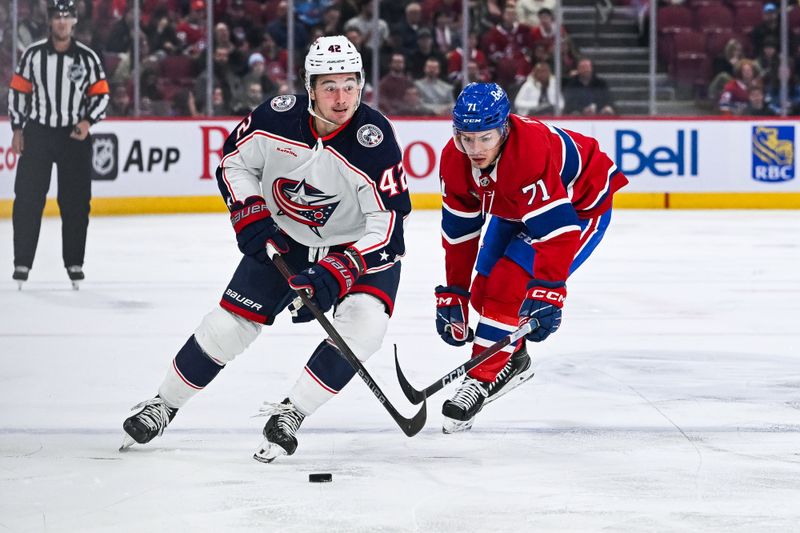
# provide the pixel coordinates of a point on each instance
(148, 423)
(460, 410)
(75, 273)
(517, 371)
(279, 432)
(20, 275)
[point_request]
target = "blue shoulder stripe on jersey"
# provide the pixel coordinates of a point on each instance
(456, 227)
(572, 160)
(550, 220)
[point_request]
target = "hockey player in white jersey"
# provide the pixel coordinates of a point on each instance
(319, 176)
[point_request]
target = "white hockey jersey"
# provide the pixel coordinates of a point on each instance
(345, 188)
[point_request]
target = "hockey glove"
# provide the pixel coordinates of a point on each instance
(254, 228)
(542, 305)
(452, 313)
(327, 281)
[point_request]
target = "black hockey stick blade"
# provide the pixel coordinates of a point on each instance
(416, 396)
(409, 426)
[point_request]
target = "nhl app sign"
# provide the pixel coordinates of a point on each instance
(773, 153)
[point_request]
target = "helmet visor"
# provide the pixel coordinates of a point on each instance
(478, 142)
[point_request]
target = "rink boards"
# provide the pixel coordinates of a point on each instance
(167, 166)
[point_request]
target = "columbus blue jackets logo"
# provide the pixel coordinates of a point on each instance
(773, 153)
(283, 102)
(303, 203)
(369, 135)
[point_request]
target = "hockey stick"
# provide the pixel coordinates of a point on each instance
(410, 426)
(415, 396)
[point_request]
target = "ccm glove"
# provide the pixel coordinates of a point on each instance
(542, 308)
(255, 227)
(452, 313)
(326, 281)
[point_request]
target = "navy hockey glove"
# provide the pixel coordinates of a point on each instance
(452, 314)
(327, 281)
(542, 305)
(254, 228)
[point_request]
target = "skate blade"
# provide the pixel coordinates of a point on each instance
(268, 452)
(19, 285)
(76, 286)
(127, 442)
(450, 425)
(515, 382)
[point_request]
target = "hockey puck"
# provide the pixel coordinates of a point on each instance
(320, 478)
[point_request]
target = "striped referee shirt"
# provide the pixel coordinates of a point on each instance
(57, 89)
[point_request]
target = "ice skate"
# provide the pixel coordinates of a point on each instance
(460, 410)
(150, 421)
(517, 371)
(75, 273)
(284, 421)
(20, 275)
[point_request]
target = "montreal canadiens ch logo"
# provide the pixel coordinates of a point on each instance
(369, 135)
(283, 102)
(303, 203)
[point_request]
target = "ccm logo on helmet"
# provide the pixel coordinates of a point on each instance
(550, 296)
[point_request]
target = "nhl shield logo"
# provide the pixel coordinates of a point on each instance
(76, 72)
(104, 156)
(369, 135)
(283, 102)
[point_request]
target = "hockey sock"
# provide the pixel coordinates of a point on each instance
(325, 374)
(487, 333)
(191, 371)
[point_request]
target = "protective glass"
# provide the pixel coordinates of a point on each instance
(478, 142)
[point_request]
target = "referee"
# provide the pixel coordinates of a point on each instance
(57, 92)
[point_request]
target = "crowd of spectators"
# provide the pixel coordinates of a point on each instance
(419, 54)
(729, 50)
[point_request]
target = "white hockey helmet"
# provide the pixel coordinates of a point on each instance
(333, 55)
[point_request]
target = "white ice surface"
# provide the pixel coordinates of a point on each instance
(669, 401)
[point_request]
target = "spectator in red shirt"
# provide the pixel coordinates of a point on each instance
(393, 86)
(508, 40)
(455, 57)
(735, 95)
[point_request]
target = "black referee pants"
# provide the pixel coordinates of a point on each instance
(43, 147)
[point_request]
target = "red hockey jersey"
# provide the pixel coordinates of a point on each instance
(545, 180)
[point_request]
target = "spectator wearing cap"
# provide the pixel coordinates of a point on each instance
(257, 73)
(191, 30)
(769, 27)
(424, 51)
(434, 93)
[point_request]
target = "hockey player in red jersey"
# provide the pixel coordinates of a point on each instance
(319, 176)
(547, 193)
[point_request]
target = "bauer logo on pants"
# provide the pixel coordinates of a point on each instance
(105, 156)
(773, 153)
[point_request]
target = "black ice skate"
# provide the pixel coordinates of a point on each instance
(284, 421)
(20, 275)
(460, 410)
(517, 371)
(148, 423)
(75, 273)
